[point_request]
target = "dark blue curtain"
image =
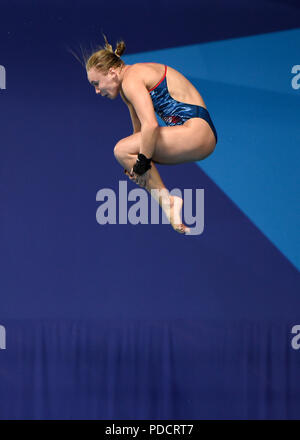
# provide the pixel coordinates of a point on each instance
(141, 369)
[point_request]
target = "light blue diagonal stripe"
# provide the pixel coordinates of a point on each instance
(246, 85)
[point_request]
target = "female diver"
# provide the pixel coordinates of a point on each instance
(147, 88)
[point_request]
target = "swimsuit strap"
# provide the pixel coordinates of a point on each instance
(160, 80)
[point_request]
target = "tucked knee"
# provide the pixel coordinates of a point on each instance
(122, 151)
(119, 151)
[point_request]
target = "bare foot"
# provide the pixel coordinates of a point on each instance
(173, 214)
(172, 208)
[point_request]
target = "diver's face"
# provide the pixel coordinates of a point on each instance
(105, 85)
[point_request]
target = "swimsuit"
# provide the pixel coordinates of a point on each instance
(174, 112)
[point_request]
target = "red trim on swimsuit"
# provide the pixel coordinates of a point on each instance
(160, 80)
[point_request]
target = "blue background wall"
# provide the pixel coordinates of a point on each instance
(208, 335)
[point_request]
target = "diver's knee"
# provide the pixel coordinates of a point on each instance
(120, 150)
(123, 151)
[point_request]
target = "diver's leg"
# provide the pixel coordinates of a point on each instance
(192, 141)
(171, 205)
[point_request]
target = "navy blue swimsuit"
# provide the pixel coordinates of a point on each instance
(174, 112)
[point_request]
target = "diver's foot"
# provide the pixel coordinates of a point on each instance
(173, 213)
(181, 228)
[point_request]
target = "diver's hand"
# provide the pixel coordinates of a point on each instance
(141, 180)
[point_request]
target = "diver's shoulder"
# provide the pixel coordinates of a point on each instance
(140, 68)
(148, 72)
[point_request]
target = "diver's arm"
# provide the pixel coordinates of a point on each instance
(137, 94)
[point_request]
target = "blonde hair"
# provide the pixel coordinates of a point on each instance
(105, 58)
